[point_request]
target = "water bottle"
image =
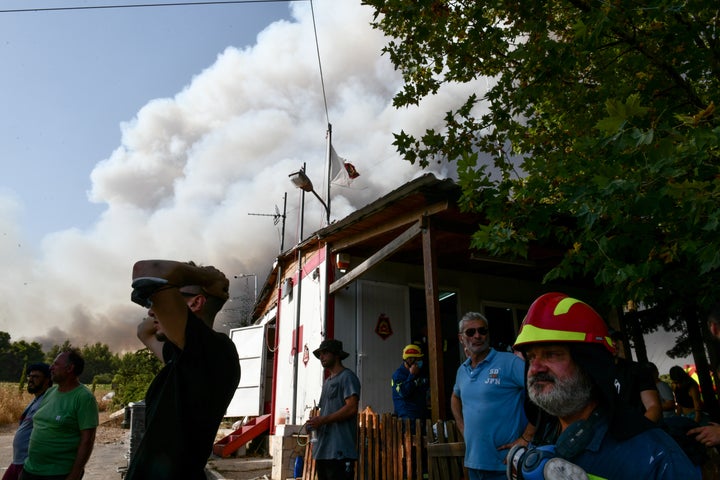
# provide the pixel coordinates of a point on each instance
(298, 471)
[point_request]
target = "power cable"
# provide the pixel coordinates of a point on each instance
(144, 5)
(185, 4)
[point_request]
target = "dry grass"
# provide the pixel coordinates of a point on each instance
(13, 402)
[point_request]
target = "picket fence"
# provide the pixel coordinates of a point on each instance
(394, 449)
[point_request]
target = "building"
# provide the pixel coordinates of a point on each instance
(400, 269)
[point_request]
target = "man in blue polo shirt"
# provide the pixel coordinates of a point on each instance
(38, 382)
(487, 401)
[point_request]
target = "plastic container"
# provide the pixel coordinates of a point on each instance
(299, 465)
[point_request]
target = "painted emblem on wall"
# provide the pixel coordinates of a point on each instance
(306, 354)
(383, 327)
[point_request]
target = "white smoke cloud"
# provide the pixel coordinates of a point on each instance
(190, 168)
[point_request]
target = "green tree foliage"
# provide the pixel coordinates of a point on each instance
(4, 341)
(24, 353)
(15, 356)
(56, 349)
(135, 372)
(598, 133)
(130, 373)
(99, 360)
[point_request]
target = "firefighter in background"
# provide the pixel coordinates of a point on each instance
(410, 385)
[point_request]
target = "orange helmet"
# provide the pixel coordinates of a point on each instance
(413, 351)
(556, 317)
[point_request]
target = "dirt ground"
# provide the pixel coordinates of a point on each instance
(112, 444)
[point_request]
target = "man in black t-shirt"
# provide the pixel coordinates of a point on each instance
(634, 383)
(188, 398)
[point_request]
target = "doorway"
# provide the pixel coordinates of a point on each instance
(504, 322)
(448, 332)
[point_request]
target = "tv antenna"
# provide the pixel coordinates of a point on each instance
(276, 219)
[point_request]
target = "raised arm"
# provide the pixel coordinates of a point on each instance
(168, 289)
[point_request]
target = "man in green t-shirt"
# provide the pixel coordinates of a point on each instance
(64, 426)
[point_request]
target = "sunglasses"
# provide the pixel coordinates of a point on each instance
(470, 332)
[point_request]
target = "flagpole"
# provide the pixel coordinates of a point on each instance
(329, 170)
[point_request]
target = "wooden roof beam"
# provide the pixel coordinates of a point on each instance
(399, 221)
(377, 257)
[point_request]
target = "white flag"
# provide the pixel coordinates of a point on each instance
(342, 172)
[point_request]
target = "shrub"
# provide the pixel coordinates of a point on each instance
(103, 378)
(136, 372)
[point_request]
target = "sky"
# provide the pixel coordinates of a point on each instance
(139, 133)
(134, 133)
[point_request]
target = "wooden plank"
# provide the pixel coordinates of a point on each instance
(407, 448)
(362, 445)
(309, 461)
(433, 472)
(306, 464)
(461, 460)
(432, 305)
(450, 449)
(407, 218)
(390, 447)
(398, 448)
(377, 458)
(390, 433)
(419, 442)
(376, 258)
(442, 461)
(452, 440)
(383, 450)
(446, 452)
(310, 465)
(370, 458)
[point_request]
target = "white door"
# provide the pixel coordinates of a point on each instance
(250, 345)
(381, 305)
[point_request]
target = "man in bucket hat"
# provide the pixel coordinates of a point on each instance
(335, 452)
(583, 429)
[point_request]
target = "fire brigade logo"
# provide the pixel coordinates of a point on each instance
(383, 327)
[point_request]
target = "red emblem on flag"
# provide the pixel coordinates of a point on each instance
(351, 171)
